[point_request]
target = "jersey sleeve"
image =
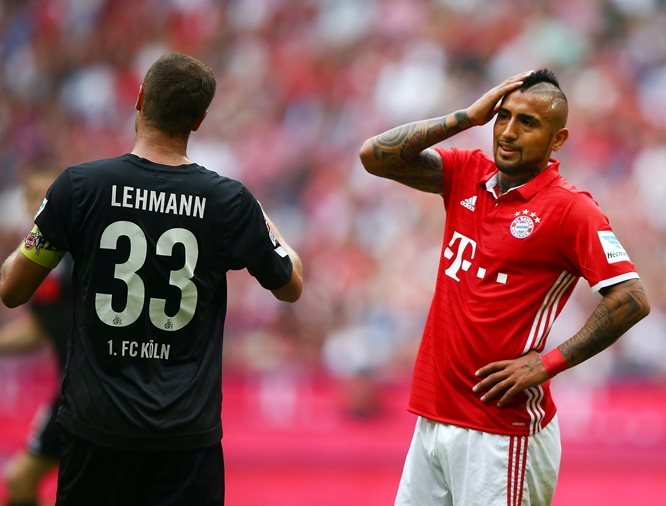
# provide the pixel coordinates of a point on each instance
(591, 246)
(56, 214)
(253, 246)
(450, 163)
(457, 163)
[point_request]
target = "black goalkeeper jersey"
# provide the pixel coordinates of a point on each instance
(151, 245)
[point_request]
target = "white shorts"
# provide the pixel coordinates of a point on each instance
(453, 466)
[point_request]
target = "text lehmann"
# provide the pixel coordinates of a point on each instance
(158, 202)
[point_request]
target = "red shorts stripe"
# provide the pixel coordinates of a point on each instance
(517, 463)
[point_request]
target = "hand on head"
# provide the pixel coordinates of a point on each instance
(485, 108)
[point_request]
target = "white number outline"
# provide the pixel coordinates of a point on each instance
(136, 291)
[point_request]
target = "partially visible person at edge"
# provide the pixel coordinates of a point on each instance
(517, 238)
(152, 235)
(45, 323)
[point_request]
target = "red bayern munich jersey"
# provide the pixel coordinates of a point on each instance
(508, 266)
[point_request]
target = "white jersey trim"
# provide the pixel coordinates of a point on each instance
(614, 281)
(534, 408)
(546, 314)
(543, 332)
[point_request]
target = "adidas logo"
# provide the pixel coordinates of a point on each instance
(469, 203)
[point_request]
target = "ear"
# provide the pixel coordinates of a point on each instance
(198, 122)
(139, 99)
(559, 139)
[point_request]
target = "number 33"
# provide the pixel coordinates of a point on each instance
(136, 292)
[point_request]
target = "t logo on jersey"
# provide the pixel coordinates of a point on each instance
(463, 260)
(459, 262)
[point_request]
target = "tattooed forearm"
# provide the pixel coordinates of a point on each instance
(407, 141)
(595, 336)
(622, 306)
(401, 153)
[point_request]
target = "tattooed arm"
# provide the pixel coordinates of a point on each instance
(402, 153)
(622, 306)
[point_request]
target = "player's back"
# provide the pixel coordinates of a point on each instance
(151, 244)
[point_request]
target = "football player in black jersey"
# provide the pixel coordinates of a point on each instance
(152, 235)
(45, 323)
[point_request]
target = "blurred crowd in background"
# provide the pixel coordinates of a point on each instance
(301, 84)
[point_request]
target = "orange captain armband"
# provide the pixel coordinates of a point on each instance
(554, 362)
(36, 248)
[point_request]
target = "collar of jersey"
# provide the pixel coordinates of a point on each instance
(149, 164)
(528, 190)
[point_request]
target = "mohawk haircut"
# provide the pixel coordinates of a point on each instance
(545, 76)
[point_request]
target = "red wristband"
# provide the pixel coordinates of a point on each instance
(554, 362)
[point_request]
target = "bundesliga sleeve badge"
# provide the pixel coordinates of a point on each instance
(612, 248)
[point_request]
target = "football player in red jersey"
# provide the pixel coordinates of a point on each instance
(518, 236)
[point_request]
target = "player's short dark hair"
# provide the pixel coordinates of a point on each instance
(543, 75)
(177, 91)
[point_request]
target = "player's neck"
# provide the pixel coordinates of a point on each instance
(505, 184)
(506, 181)
(159, 148)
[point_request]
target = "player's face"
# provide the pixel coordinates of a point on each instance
(524, 134)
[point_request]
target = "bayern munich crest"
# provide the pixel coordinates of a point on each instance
(523, 224)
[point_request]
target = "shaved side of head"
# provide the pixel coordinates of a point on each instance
(559, 106)
(543, 81)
